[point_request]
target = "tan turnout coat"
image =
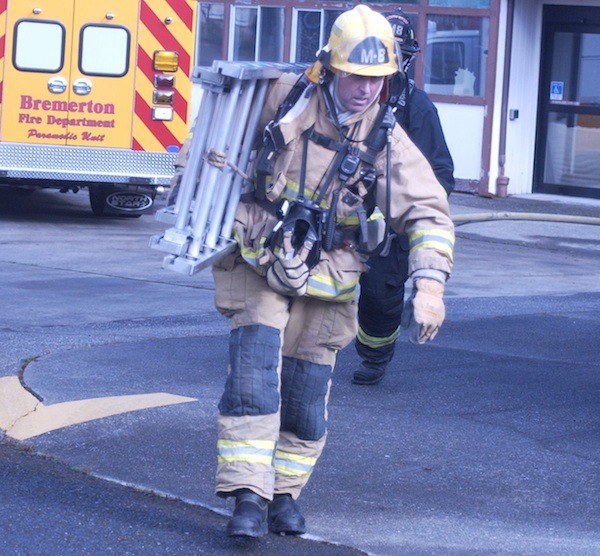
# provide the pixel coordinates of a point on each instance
(418, 205)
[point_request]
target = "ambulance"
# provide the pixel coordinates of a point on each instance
(95, 94)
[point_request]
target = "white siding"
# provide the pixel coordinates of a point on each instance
(463, 129)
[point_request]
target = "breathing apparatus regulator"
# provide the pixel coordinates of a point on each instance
(361, 43)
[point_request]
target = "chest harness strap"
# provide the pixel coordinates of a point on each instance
(310, 225)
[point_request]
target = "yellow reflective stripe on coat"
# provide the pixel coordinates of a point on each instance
(434, 238)
(291, 192)
(251, 451)
(325, 287)
(377, 342)
(293, 465)
(353, 220)
(251, 256)
(376, 215)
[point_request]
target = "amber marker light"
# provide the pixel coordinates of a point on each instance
(165, 60)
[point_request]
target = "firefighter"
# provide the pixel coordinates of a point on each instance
(290, 288)
(382, 287)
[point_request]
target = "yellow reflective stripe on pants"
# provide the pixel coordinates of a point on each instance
(437, 239)
(290, 464)
(252, 451)
(377, 342)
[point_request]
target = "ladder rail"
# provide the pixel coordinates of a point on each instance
(203, 213)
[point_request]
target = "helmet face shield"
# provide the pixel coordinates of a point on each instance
(361, 43)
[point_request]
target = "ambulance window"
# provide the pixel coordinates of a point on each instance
(39, 46)
(104, 50)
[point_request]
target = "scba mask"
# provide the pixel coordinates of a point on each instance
(298, 231)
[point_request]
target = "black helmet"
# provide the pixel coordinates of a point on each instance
(405, 36)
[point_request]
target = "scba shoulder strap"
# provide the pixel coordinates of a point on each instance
(401, 90)
(378, 139)
(272, 138)
(375, 142)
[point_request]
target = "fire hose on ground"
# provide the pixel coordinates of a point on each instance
(461, 219)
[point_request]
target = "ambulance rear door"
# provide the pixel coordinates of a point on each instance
(69, 72)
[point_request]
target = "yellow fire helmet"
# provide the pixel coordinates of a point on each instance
(361, 43)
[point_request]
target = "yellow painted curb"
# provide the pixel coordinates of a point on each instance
(15, 401)
(23, 416)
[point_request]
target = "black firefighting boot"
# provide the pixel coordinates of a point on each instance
(285, 517)
(249, 515)
(369, 374)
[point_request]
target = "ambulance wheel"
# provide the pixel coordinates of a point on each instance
(98, 194)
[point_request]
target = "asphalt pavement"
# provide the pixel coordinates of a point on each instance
(486, 441)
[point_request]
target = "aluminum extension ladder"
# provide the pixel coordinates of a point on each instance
(203, 214)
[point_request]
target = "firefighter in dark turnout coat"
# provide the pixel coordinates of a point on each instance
(382, 286)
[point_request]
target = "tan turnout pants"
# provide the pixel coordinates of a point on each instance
(260, 447)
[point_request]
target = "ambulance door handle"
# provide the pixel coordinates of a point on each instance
(82, 86)
(57, 85)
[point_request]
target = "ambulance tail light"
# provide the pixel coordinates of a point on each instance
(164, 91)
(163, 97)
(162, 113)
(162, 81)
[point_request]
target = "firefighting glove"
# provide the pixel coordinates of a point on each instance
(288, 275)
(424, 311)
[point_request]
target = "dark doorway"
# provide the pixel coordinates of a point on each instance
(567, 159)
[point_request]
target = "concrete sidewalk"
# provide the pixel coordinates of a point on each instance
(484, 442)
(565, 232)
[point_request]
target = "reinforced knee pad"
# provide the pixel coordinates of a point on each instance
(303, 392)
(252, 385)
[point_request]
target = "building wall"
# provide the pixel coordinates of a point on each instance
(463, 105)
(463, 129)
(523, 92)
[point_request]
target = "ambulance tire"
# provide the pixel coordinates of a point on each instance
(98, 194)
